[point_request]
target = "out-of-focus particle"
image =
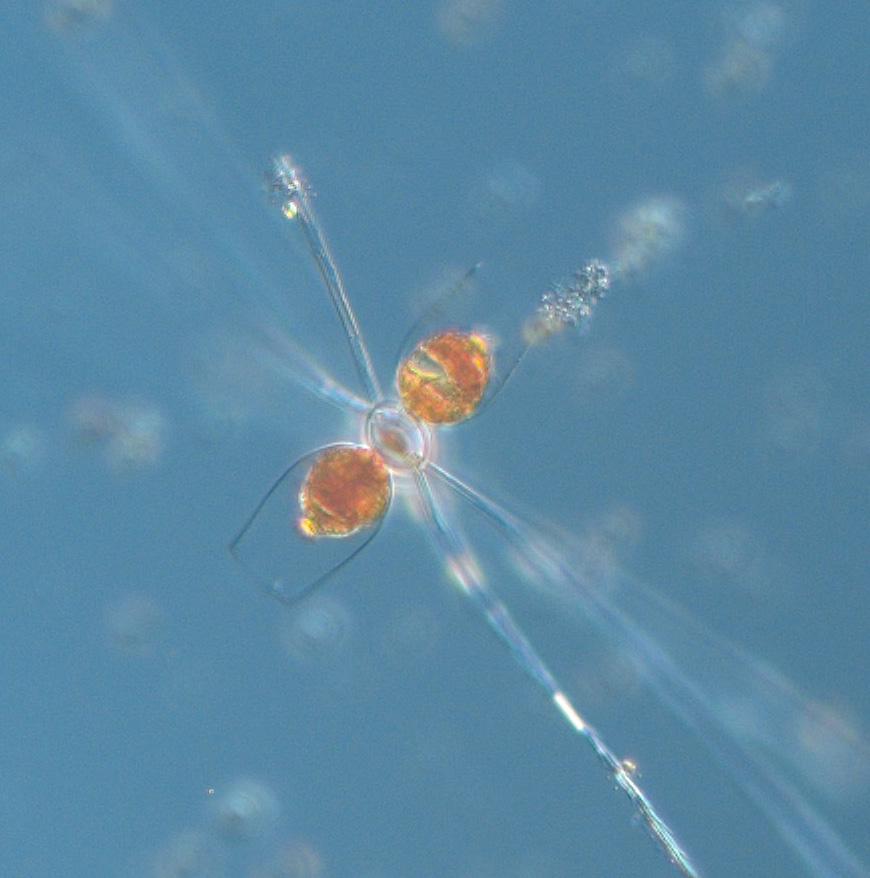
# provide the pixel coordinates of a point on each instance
(605, 677)
(646, 234)
(536, 864)
(650, 62)
(237, 379)
(73, 15)
(513, 186)
(834, 755)
(761, 24)
(605, 540)
(794, 411)
(755, 199)
(844, 187)
(93, 419)
(604, 372)
(856, 443)
(754, 33)
(296, 859)
(244, 810)
(316, 630)
(509, 191)
(131, 435)
(412, 632)
(134, 624)
(466, 22)
(728, 551)
(22, 447)
(189, 854)
(602, 545)
(743, 68)
(139, 441)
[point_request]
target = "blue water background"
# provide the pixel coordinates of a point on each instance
(712, 429)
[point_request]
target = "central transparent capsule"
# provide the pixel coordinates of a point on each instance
(401, 440)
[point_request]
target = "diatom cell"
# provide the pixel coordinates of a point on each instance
(444, 379)
(347, 488)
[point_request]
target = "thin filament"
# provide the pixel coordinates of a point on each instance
(296, 205)
(467, 575)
